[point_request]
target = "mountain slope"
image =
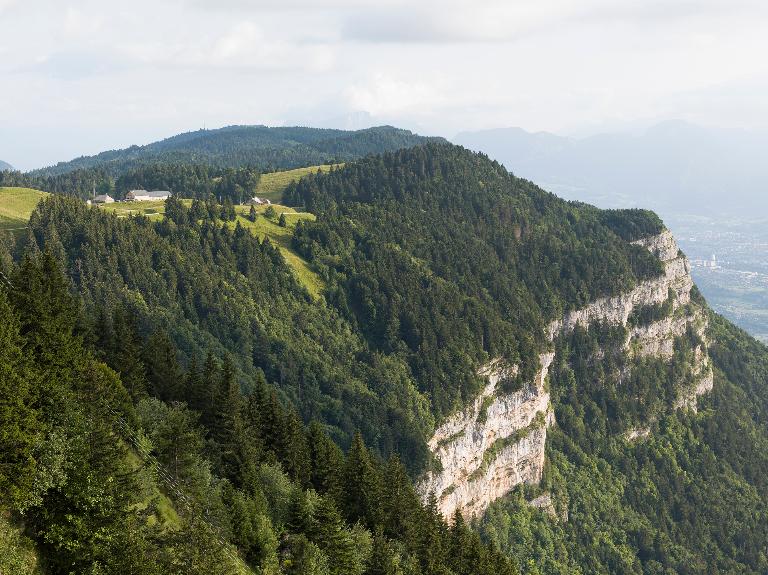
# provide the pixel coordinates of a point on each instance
(546, 367)
(257, 146)
(5, 166)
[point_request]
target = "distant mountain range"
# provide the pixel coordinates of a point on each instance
(258, 146)
(5, 166)
(673, 166)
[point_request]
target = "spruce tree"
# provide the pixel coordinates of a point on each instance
(163, 370)
(126, 355)
(361, 485)
(326, 461)
(18, 420)
(329, 534)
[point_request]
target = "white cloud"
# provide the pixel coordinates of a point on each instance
(383, 95)
(120, 70)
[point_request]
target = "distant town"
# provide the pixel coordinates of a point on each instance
(729, 263)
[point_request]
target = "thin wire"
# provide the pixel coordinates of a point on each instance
(170, 483)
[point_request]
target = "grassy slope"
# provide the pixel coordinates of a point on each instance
(16, 205)
(271, 186)
(281, 237)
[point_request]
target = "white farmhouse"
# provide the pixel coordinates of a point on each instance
(145, 196)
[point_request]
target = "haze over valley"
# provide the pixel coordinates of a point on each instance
(281, 294)
(710, 186)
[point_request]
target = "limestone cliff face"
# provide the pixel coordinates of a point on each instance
(493, 445)
(617, 309)
(498, 441)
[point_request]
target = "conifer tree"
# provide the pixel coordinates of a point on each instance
(18, 420)
(163, 370)
(398, 501)
(299, 518)
(326, 461)
(126, 355)
(384, 559)
(361, 485)
(228, 429)
(328, 532)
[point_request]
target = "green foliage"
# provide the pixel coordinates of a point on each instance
(647, 314)
(688, 498)
(252, 478)
(215, 289)
(259, 146)
(442, 257)
(434, 260)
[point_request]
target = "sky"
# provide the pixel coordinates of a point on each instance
(81, 76)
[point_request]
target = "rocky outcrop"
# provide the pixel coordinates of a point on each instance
(493, 445)
(676, 279)
(656, 339)
(498, 441)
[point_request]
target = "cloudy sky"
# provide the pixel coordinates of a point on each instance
(81, 76)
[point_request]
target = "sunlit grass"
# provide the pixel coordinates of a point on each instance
(16, 205)
(271, 186)
(281, 237)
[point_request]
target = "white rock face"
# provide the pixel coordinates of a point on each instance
(617, 309)
(470, 480)
(472, 477)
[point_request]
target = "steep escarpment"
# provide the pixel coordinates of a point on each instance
(493, 445)
(655, 313)
(499, 441)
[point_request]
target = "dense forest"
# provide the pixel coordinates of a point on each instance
(236, 185)
(225, 163)
(118, 461)
(184, 348)
(248, 146)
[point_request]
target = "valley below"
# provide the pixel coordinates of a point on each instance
(735, 282)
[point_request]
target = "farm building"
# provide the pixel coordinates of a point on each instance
(103, 199)
(145, 196)
(256, 201)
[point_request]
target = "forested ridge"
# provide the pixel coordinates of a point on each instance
(225, 163)
(297, 426)
(255, 146)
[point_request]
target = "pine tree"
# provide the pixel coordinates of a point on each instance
(252, 213)
(384, 558)
(210, 392)
(18, 420)
(398, 501)
(292, 448)
(326, 461)
(163, 370)
(429, 539)
(228, 427)
(329, 534)
(299, 518)
(126, 355)
(361, 485)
